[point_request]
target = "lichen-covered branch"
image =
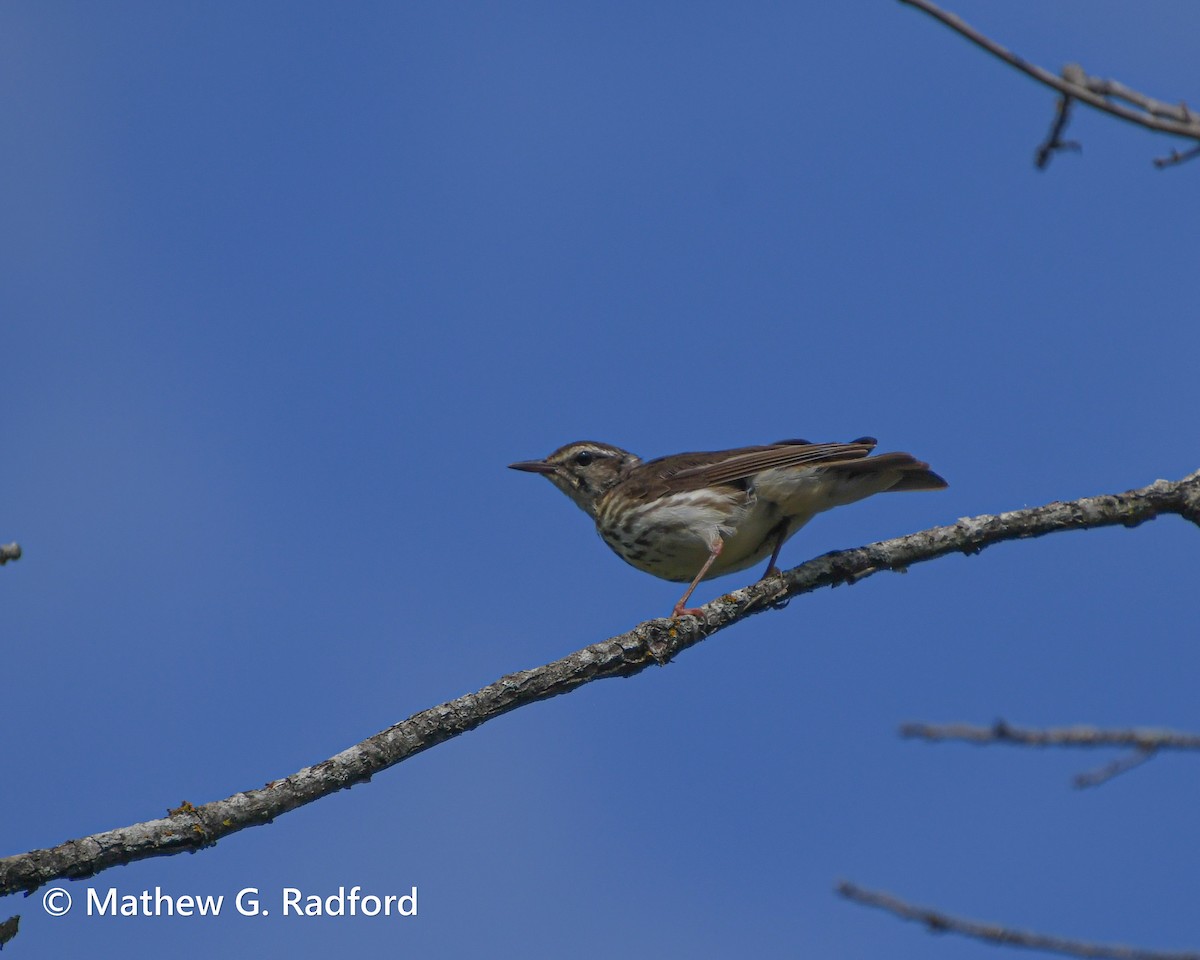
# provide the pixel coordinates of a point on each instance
(190, 828)
(1074, 84)
(994, 933)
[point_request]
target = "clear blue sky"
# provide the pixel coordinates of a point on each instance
(285, 286)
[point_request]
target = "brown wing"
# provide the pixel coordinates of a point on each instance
(729, 466)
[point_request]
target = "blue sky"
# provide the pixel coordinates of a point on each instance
(284, 288)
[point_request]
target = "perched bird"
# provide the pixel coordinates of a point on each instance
(691, 516)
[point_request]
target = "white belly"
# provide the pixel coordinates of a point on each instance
(673, 536)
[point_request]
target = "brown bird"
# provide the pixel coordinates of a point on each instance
(691, 516)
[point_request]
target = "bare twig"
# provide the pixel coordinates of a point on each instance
(1140, 738)
(938, 922)
(8, 929)
(1108, 96)
(9, 551)
(1054, 141)
(1175, 156)
(1146, 742)
(1123, 764)
(189, 828)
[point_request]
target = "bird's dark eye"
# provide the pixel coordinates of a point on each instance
(584, 457)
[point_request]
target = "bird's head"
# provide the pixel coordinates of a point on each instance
(583, 470)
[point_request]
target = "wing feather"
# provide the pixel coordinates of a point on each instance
(729, 466)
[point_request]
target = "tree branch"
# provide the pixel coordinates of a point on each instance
(190, 828)
(9, 551)
(1145, 742)
(1140, 738)
(994, 933)
(1075, 84)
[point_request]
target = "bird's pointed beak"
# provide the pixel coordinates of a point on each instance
(532, 466)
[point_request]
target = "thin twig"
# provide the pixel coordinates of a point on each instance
(1146, 742)
(189, 828)
(1117, 90)
(1140, 738)
(1123, 764)
(1054, 141)
(1075, 83)
(939, 922)
(8, 929)
(1175, 157)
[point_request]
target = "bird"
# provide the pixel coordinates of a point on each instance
(688, 517)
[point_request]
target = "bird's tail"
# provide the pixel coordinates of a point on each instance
(914, 474)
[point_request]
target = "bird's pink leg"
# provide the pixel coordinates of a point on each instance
(682, 611)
